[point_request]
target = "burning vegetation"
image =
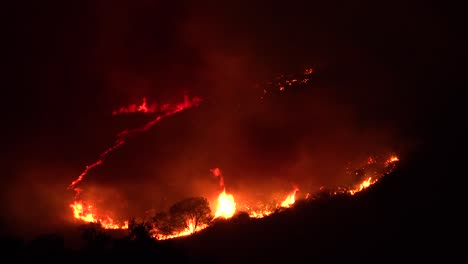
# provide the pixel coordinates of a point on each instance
(196, 213)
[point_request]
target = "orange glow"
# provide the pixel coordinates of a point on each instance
(391, 160)
(290, 199)
(226, 205)
(363, 185)
(188, 231)
(217, 173)
(372, 169)
(371, 180)
(88, 214)
(260, 213)
(121, 138)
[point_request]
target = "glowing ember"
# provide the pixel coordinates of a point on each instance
(286, 82)
(226, 205)
(290, 199)
(133, 108)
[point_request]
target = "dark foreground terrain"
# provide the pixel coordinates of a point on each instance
(405, 216)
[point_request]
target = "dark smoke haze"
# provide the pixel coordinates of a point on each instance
(76, 63)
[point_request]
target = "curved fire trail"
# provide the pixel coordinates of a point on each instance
(227, 205)
(133, 108)
(86, 212)
(124, 135)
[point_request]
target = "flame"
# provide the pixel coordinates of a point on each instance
(133, 108)
(363, 185)
(371, 180)
(226, 205)
(88, 214)
(290, 199)
(391, 160)
(188, 231)
(260, 213)
(169, 110)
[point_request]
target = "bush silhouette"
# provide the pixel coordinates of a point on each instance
(190, 213)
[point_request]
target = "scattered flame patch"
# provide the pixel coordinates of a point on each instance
(226, 206)
(88, 214)
(133, 108)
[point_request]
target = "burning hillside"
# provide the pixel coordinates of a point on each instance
(194, 214)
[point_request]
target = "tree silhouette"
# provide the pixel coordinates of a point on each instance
(190, 213)
(163, 223)
(140, 231)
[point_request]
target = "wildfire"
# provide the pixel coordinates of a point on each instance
(133, 108)
(290, 199)
(226, 205)
(168, 110)
(260, 213)
(88, 214)
(388, 165)
(286, 82)
(366, 183)
(188, 231)
(391, 160)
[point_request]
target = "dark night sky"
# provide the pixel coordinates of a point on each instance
(384, 76)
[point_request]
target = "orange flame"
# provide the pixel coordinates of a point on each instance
(290, 199)
(363, 185)
(260, 213)
(370, 180)
(88, 214)
(124, 135)
(188, 231)
(226, 205)
(391, 160)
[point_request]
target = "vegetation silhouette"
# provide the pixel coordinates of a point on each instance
(397, 217)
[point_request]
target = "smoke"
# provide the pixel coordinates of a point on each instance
(110, 54)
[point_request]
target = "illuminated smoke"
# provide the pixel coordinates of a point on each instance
(168, 110)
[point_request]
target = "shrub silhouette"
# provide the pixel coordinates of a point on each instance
(140, 231)
(190, 213)
(162, 222)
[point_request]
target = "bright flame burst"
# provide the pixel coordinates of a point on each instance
(290, 199)
(226, 204)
